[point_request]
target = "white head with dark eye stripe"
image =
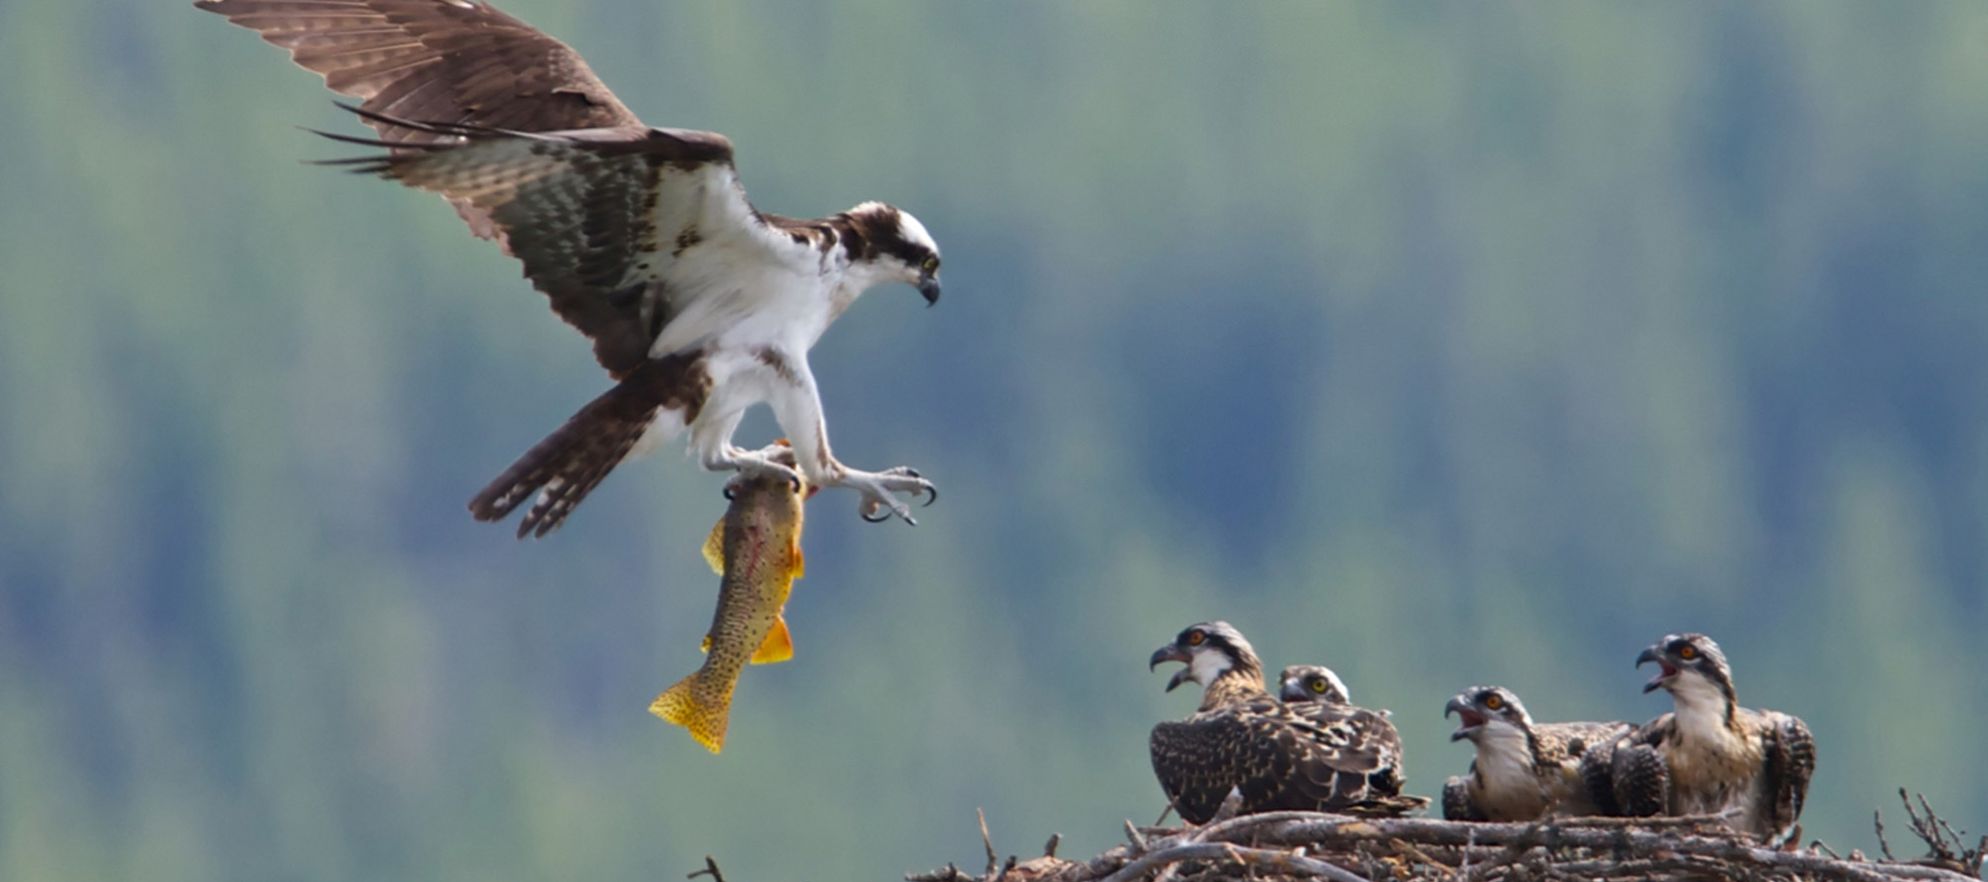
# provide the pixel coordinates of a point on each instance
(890, 245)
(1312, 683)
(1693, 669)
(1487, 709)
(1210, 650)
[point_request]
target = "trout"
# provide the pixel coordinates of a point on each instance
(756, 549)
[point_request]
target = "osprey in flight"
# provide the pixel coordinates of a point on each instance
(698, 304)
(1710, 755)
(1310, 755)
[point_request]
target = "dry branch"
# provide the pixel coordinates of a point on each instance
(1280, 846)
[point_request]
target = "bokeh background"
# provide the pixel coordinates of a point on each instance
(1441, 343)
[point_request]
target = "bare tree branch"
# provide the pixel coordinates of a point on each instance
(710, 869)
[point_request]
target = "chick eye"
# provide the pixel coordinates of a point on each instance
(1687, 652)
(932, 264)
(1195, 638)
(1318, 685)
(1494, 702)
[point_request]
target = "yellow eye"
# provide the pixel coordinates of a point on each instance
(1195, 638)
(1494, 702)
(932, 264)
(1318, 684)
(1687, 652)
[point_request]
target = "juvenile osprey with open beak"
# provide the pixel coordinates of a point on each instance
(1523, 770)
(698, 304)
(1710, 755)
(1310, 755)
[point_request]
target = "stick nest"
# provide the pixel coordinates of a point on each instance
(1279, 846)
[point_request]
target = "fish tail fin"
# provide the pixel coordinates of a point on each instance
(689, 705)
(778, 645)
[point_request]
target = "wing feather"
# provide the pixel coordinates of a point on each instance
(450, 61)
(579, 210)
(1309, 756)
(1790, 765)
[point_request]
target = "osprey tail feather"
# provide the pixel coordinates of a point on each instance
(569, 463)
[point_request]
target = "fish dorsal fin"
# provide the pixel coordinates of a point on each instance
(797, 565)
(705, 646)
(778, 645)
(714, 547)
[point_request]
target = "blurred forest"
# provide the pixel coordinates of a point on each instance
(1437, 342)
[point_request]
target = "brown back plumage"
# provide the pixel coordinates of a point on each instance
(1310, 756)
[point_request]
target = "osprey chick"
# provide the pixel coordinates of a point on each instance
(1523, 770)
(1709, 755)
(1310, 756)
(1312, 683)
(698, 304)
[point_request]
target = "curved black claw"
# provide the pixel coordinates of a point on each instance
(887, 515)
(931, 495)
(731, 492)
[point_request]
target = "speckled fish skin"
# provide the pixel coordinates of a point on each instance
(760, 538)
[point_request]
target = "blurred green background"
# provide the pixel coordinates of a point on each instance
(1435, 342)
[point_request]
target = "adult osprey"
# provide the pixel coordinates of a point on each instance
(1315, 756)
(1523, 770)
(698, 304)
(1710, 755)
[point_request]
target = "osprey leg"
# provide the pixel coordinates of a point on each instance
(797, 407)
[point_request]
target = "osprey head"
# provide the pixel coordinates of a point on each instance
(1209, 649)
(1481, 707)
(895, 246)
(1689, 666)
(1312, 683)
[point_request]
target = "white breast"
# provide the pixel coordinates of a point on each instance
(1510, 789)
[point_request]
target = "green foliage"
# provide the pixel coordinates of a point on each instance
(1436, 342)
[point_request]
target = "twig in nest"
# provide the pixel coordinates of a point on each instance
(950, 873)
(1049, 848)
(1133, 836)
(1877, 820)
(710, 869)
(987, 841)
(1250, 858)
(1941, 837)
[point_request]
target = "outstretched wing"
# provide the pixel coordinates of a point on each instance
(1276, 757)
(446, 61)
(600, 217)
(1790, 764)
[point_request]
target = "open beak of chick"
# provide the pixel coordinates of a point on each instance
(1665, 673)
(1172, 653)
(1469, 719)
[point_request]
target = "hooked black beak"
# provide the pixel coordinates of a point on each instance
(1470, 720)
(1171, 653)
(929, 288)
(1665, 671)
